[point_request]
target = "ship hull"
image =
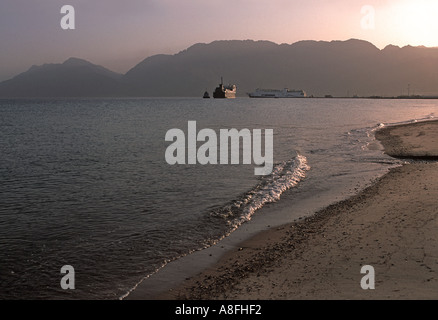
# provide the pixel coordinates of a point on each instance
(224, 94)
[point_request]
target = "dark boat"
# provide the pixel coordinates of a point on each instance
(225, 92)
(206, 95)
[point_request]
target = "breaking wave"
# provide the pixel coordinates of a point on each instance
(284, 176)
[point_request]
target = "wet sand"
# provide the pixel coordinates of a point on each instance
(391, 226)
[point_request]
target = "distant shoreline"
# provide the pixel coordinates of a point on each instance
(196, 97)
(382, 97)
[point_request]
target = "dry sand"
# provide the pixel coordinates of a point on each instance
(418, 140)
(392, 226)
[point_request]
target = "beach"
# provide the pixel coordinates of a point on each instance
(390, 226)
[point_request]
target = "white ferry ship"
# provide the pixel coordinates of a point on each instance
(274, 93)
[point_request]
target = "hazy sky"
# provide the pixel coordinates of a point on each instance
(119, 34)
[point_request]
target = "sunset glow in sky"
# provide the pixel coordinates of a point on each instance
(119, 34)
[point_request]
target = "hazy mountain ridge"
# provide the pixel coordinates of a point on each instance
(339, 68)
(73, 78)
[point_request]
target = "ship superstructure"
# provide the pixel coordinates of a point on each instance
(225, 91)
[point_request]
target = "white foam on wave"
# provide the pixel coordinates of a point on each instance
(284, 176)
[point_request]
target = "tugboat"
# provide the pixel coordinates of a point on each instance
(225, 92)
(206, 95)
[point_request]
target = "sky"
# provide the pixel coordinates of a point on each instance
(119, 34)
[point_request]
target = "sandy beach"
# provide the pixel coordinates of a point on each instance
(391, 226)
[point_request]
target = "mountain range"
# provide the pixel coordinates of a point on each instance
(338, 68)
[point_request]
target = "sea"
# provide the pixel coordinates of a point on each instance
(85, 182)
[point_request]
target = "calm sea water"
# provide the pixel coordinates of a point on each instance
(84, 182)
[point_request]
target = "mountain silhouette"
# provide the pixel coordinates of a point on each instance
(73, 78)
(338, 68)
